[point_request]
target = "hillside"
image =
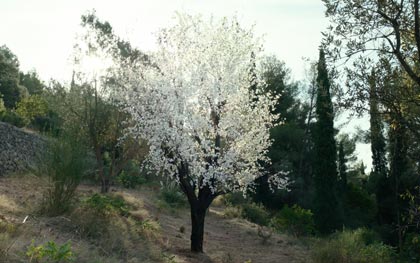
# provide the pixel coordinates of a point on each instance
(150, 232)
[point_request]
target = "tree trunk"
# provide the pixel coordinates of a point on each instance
(197, 228)
(104, 185)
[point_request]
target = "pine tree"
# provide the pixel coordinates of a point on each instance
(328, 216)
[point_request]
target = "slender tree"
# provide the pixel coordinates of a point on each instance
(381, 184)
(342, 166)
(326, 204)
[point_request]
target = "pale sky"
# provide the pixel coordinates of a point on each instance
(41, 33)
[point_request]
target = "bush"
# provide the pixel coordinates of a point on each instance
(360, 207)
(107, 204)
(131, 177)
(255, 213)
(172, 196)
(94, 215)
(411, 248)
(64, 164)
(50, 252)
(235, 199)
(357, 246)
(31, 107)
(294, 220)
(8, 234)
(232, 212)
(2, 107)
(13, 118)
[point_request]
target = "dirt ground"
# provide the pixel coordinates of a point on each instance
(227, 240)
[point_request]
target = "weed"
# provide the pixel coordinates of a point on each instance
(50, 252)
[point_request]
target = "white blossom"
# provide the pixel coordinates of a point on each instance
(197, 90)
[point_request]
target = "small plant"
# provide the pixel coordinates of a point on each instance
(294, 220)
(265, 234)
(50, 252)
(168, 258)
(182, 229)
(148, 225)
(8, 236)
(227, 258)
(107, 204)
(255, 213)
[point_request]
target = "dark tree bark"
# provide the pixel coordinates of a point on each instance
(197, 228)
(198, 205)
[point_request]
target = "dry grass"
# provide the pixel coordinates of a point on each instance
(149, 233)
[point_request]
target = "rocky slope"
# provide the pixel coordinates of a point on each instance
(19, 149)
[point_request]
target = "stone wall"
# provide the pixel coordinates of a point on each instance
(19, 149)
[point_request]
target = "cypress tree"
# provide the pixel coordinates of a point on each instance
(342, 167)
(327, 212)
(382, 186)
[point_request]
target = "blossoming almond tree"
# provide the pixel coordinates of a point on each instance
(206, 128)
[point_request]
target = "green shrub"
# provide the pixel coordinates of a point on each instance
(357, 246)
(107, 204)
(255, 213)
(9, 232)
(64, 163)
(294, 220)
(30, 107)
(232, 212)
(50, 252)
(360, 207)
(95, 213)
(411, 248)
(235, 199)
(172, 196)
(13, 118)
(130, 179)
(2, 107)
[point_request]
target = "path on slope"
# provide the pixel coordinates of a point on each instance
(225, 240)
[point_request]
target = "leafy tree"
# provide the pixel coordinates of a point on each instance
(289, 139)
(327, 212)
(378, 179)
(31, 107)
(206, 129)
(9, 78)
(31, 82)
(390, 27)
(90, 106)
(380, 36)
